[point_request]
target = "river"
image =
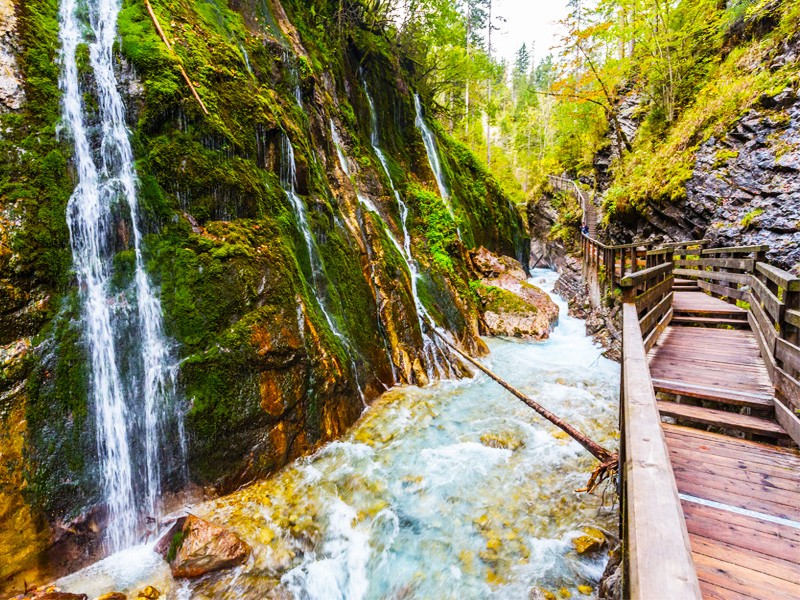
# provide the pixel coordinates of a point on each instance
(456, 490)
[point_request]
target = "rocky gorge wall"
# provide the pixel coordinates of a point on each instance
(264, 376)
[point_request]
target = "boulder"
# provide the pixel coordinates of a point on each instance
(510, 305)
(113, 596)
(194, 547)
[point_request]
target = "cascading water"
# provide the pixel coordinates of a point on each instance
(318, 277)
(433, 351)
(433, 158)
(131, 402)
(457, 490)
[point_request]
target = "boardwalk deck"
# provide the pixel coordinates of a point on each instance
(740, 498)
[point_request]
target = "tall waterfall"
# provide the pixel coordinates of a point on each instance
(433, 158)
(131, 386)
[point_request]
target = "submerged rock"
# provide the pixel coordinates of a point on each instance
(194, 547)
(49, 593)
(114, 596)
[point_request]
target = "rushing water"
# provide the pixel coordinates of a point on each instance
(433, 158)
(132, 402)
(452, 491)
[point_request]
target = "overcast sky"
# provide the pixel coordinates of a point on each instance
(527, 21)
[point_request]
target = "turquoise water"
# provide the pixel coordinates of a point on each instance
(456, 490)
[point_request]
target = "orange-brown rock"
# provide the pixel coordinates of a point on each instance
(194, 547)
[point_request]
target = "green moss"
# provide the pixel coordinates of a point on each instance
(751, 216)
(498, 300)
(175, 545)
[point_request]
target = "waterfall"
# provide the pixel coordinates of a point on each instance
(433, 159)
(288, 177)
(431, 346)
(130, 400)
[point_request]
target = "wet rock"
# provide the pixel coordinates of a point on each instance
(114, 596)
(491, 265)
(511, 306)
(611, 582)
(150, 593)
(592, 541)
(194, 547)
(12, 94)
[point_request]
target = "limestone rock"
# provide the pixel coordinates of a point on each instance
(592, 541)
(149, 593)
(194, 547)
(12, 93)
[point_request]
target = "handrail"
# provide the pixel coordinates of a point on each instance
(658, 556)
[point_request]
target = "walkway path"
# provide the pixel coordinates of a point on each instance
(740, 497)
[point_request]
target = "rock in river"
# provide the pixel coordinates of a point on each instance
(194, 547)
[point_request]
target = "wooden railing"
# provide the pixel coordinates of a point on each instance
(569, 186)
(774, 317)
(658, 561)
(604, 265)
(724, 272)
(658, 557)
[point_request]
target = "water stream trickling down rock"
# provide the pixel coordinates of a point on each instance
(131, 383)
(451, 491)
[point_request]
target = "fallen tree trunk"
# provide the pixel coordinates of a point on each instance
(608, 460)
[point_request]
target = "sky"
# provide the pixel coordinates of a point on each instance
(527, 21)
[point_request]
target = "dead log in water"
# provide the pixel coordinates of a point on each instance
(608, 460)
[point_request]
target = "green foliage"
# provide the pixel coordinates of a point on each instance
(752, 216)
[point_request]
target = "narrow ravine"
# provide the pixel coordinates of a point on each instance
(456, 490)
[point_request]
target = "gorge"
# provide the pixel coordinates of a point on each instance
(250, 251)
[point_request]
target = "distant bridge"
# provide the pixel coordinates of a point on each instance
(710, 471)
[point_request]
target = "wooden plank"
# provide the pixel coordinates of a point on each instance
(702, 392)
(745, 532)
(788, 387)
(685, 456)
(789, 420)
(652, 339)
(743, 278)
(783, 278)
(721, 418)
(743, 579)
(743, 264)
(736, 250)
(640, 277)
(769, 565)
(766, 354)
(647, 299)
(659, 554)
(776, 458)
(722, 290)
(792, 317)
(655, 315)
(765, 326)
(761, 294)
(788, 353)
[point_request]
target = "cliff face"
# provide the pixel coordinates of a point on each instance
(743, 188)
(728, 168)
(277, 350)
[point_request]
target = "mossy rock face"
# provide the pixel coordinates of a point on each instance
(273, 340)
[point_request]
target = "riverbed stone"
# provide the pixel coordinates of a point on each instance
(114, 596)
(592, 541)
(194, 547)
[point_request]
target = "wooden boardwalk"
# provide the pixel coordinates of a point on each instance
(740, 497)
(710, 421)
